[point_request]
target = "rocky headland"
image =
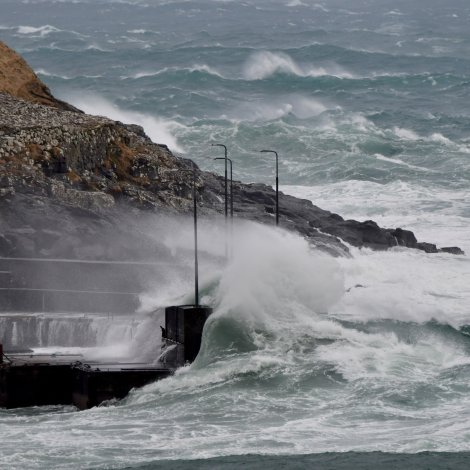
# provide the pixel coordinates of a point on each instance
(67, 179)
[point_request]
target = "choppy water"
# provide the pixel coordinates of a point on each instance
(367, 104)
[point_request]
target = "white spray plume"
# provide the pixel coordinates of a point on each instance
(159, 130)
(276, 276)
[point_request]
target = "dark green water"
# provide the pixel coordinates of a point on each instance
(328, 461)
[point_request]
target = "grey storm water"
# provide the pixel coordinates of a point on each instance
(367, 104)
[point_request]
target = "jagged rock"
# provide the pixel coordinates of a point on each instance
(427, 247)
(404, 237)
(454, 250)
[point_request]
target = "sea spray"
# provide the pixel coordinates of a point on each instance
(273, 268)
(159, 130)
(275, 286)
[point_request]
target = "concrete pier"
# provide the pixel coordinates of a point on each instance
(28, 379)
(35, 380)
(39, 380)
(95, 384)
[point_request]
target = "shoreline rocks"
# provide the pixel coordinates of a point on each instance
(54, 155)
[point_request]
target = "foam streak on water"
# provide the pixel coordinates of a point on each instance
(368, 108)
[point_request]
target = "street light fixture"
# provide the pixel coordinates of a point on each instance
(196, 264)
(277, 182)
(231, 182)
(226, 186)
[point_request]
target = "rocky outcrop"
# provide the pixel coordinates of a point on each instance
(64, 169)
(18, 79)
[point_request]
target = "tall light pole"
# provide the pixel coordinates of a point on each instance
(226, 186)
(231, 182)
(196, 264)
(277, 182)
(231, 206)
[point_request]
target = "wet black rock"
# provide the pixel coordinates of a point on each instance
(454, 250)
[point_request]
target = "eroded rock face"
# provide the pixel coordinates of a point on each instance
(18, 79)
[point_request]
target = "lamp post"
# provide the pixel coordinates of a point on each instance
(226, 187)
(277, 182)
(231, 182)
(196, 265)
(184, 324)
(231, 206)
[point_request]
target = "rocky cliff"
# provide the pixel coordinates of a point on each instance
(64, 173)
(18, 79)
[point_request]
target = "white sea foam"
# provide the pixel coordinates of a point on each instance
(397, 161)
(263, 64)
(96, 47)
(50, 74)
(402, 284)
(195, 68)
(273, 268)
(394, 13)
(39, 31)
(301, 106)
(42, 30)
(159, 130)
(296, 3)
(438, 137)
(63, 77)
(432, 213)
(365, 356)
(406, 134)
(205, 68)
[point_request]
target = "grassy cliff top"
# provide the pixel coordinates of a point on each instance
(18, 79)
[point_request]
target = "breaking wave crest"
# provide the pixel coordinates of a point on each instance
(38, 31)
(263, 64)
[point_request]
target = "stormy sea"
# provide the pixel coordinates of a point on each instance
(309, 360)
